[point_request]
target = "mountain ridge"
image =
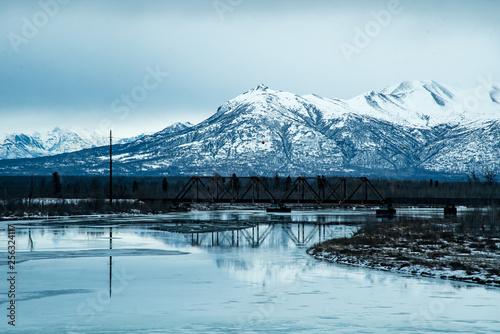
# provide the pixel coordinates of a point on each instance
(413, 129)
(60, 141)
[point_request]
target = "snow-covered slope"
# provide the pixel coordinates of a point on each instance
(428, 103)
(58, 141)
(411, 129)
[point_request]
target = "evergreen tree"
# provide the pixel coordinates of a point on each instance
(288, 182)
(164, 185)
(31, 191)
(135, 187)
(276, 181)
(56, 182)
(321, 186)
(43, 183)
(235, 183)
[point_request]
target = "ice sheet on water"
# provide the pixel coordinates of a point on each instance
(50, 255)
(23, 296)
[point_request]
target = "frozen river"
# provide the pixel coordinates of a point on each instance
(126, 276)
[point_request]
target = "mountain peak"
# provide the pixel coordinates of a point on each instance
(181, 125)
(261, 87)
(406, 87)
(176, 127)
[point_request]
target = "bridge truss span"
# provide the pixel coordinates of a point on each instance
(306, 190)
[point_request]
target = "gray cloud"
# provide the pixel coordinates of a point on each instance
(92, 52)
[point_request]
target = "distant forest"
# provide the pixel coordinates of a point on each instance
(62, 195)
(158, 187)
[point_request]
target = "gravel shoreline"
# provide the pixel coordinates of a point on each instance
(420, 248)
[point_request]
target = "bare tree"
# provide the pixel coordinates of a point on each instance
(490, 175)
(473, 176)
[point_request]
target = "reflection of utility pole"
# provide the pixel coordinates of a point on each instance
(258, 239)
(110, 168)
(110, 260)
(30, 241)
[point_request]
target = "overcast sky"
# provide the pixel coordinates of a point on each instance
(103, 63)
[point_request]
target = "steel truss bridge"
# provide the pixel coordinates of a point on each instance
(308, 190)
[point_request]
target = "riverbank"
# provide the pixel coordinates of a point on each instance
(461, 249)
(56, 208)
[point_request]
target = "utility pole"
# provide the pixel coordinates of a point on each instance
(110, 167)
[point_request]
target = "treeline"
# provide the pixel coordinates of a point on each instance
(158, 187)
(25, 208)
(437, 189)
(97, 187)
(89, 187)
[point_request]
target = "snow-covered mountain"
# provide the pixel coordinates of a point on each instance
(176, 127)
(58, 141)
(413, 129)
(428, 104)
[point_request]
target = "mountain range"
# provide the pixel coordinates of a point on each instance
(413, 129)
(58, 141)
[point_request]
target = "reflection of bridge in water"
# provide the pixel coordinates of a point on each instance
(299, 234)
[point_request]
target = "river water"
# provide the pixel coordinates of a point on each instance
(172, 274)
